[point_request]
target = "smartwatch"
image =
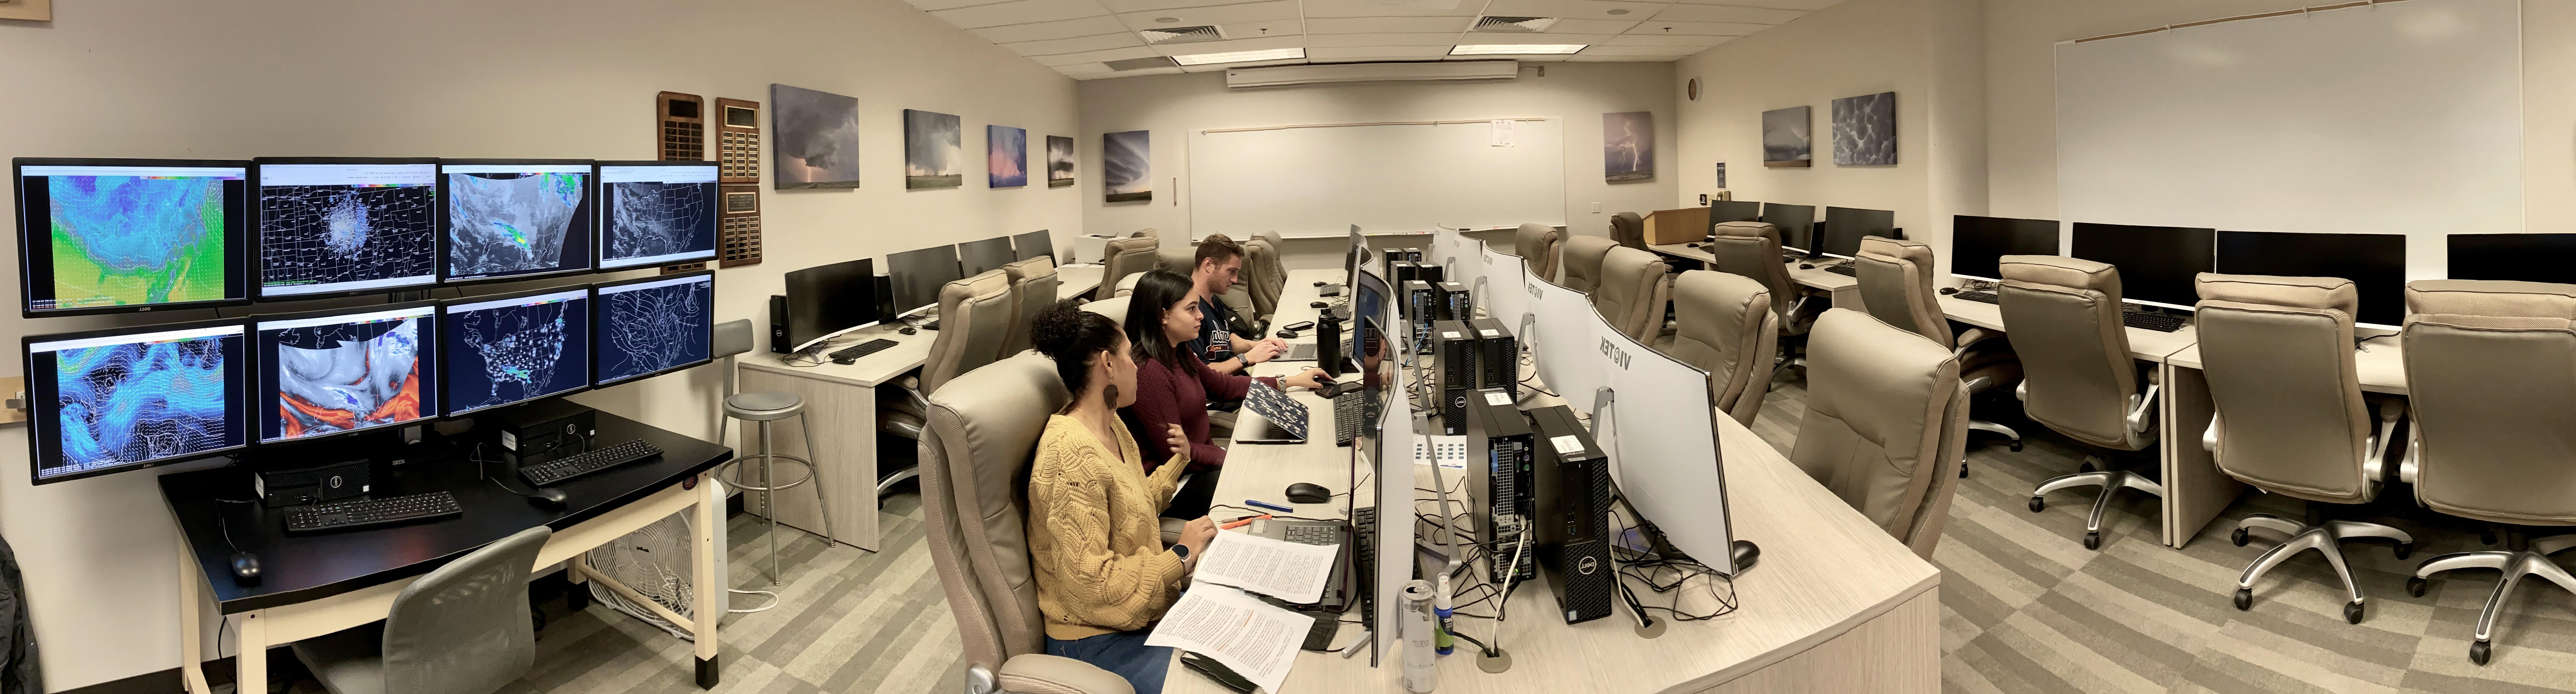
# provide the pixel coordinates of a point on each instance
(1183, 550)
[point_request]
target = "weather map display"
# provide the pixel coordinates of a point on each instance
(107, 235)
(514, 349)
(515, 219)
(118, 399)
(351, 226)
(345, 370)
(655, 325)
(657, 213)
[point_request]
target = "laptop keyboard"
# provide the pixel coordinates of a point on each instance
(1314, 534)
(1302, 351)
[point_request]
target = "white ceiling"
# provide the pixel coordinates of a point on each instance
(1076, 36)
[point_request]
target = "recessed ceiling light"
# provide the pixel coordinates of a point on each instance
(1615, 13)
(1167, 20)
(1517, 48)
(1241, 56)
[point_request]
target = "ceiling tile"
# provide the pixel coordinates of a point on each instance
(1221, 67)
(1375, 52)
(1800, 5)
(1673, 40)
(1252, 30)
(1652, 27)
(1221, 14)
(1591, 26)
(1643, 50)
(1083, 69)
(1379, 8)
(1546, 38)
(1572, 9)
(1580, 58)
(1076, 45)
(1387, 25)
(1229, 46)
(1021, 12)
(1126, 6)
(1522, 58)
(1094, 56)
(936, 5)
(1351, 40)
(1727, 13)
(1040, 31)
(1107, 73)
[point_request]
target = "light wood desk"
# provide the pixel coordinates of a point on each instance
(1834, 605)
(2195, 490)
(1077, 280)
(1844, 290)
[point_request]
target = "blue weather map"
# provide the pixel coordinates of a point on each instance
(127, 240)
(509, 354)
(134, 403)
(646, 330)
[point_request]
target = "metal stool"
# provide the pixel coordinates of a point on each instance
(764, 408)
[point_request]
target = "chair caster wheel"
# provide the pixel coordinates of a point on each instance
(2093, 540)
(2479, 652)
(2037, 504)
(2016, 446)
(2415, 585)
(2244, 599)
(2240, 537)
(1963, 472)
(2487, 536)
(2404, 550)
(2352, 612)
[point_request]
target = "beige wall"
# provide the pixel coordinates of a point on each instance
(472, 78)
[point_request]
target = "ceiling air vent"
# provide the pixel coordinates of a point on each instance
(1200, 34)
(1513, 25)
(1139, 63)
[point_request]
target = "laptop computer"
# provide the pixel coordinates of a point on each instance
(1269, 416)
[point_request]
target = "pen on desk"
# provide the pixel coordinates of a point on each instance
(1244, 521)
(1257, 503)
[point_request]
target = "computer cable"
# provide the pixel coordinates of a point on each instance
(483, 469)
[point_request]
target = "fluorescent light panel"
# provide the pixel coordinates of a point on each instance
(1517, 48)
(1241, 56)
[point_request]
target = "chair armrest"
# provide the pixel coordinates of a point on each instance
(1970, 338)
(2414, 456)
(2142, 412)
(2022, 391)
(2209, 437)
(1038, 673)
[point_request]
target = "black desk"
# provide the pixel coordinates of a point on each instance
(313, 584)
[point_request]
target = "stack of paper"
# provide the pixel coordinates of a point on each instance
(1251, 637)
(1286, 570)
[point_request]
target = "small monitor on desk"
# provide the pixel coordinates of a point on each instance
(1723, 211)
(325, 373)
(1035, 244)
(656, 213)
(825, 301)
(337, 227)
(2376, 264)
(512, 219)
(121, 399)
(918, 275)
(116, 235)
(1840, 234)
(510, 349)
(2520, 257)
(1978, 244)
(1797, 225)
(657, 325)
(978, 257)
(2157, 264)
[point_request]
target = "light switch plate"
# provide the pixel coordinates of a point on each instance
(1596, 208)
(32, 10)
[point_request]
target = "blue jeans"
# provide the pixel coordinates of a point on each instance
(1124, 653)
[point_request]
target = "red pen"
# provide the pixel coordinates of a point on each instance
(1240, 522)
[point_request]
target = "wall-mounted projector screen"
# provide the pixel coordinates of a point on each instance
(1311, 180)
(2399, 118)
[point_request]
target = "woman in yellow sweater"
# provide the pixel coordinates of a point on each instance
(1095, 540)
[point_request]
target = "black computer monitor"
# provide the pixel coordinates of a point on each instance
(505, 350)
(337, 227)
(1369, 294)
(2521, 257)
(1797, 224)
(918, 275)
(2376, 264)
(652, 326)
(121, 399)
(1978, 244)
(1723, 211)
(116, 235)
(514, 219)
(656, 213)
(325, 373)
(2157, 264)
(1035, 244)
(827, 300)
(978, 257)
(1840, 234)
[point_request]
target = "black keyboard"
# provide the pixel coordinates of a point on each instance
(586, 462)
(1347, 416)
(861, 350)
(370, 512)
(2158, 322)
(1844, 270)
(1979, 297)
(933, 325)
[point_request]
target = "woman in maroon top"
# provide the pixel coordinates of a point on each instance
(1174, 386)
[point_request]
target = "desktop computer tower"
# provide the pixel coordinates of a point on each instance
(1428, 272)
(1454, 374)
(1421, 307)
(1456, 303)
(1413, 254)
(1405, 271)
(778, 324)
(885, 298)
(1498, 499)
(1394, 255)
(1570, 481)
(1498, 360)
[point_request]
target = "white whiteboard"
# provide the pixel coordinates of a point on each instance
(2400, 118)
(1398, 177)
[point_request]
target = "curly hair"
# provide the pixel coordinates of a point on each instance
(1070, 336)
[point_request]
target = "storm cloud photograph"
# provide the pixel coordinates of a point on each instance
(1127, 165)
(932, 151)
(1006, 156)
(1059, 161)
(817, 145)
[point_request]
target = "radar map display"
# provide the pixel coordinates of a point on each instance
(514, 350)
(128, 240)
(504, 224)
(655, 222)
(114, 402)
(343, 373)
(647, 327)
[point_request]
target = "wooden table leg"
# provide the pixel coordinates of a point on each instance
(250, 667)
(706, 588)
(192, 648)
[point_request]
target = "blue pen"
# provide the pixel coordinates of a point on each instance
(1268, 505)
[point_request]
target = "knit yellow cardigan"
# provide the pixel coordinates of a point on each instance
(1094, 536)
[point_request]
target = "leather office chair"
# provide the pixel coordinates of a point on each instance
(1536, 245)
(982, 435)
(1265, 275)
(1033, 288)
(1126, 286)
(1581, 257)
(1178, 260)
(1896, 286)
(1636, 286)
(1752, 249)
(462, 629)
(2491, 375)
(1723, 324)
(975, 314)
(2290, 417)
(1126, 257)
(1628, 229)
(2077, 377)
(1886, 424)
(1114, 307)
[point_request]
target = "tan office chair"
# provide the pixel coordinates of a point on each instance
(1265, 276)
(982, 435)
(1886, 424)
(2077, 377)
(1752, 249)
(1536, 245)
(1126, 286)
(1896, 286)
(1636, 286)
(1178, 260)
(1114, 307)
(1628, 229)
(1127, 257)
(2291, 419)
(1723, 324)
(1581, 258)
(975, 314)
(1033, 288)
(2491, 376)
(462, 629)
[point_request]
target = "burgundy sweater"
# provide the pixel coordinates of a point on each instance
(1179, 395)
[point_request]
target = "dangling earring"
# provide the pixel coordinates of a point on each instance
(1109, 396)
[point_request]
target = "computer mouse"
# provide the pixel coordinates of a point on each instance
(1287, 334)
(1315, 304)
(908, 330)
(845, 360)
(550, 495)
(1949, 290)
(1319, 284)
(245, 567)
(1806, 266)
(1309, 493)
(1745, 554)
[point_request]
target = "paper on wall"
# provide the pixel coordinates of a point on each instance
(1255, 639)
(1290, 571)
(1503, 132)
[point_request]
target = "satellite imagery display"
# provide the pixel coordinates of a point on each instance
(333, 234)
(651, 326)
(515, 350)
(649, 219)
(137, 402)
(128, 240)
(340, 376)
(502, 224)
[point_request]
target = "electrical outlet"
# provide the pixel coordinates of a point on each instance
(1596, 208)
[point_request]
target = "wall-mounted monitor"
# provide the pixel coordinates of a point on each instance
(122, 399)
(514, 219)
(117, 235)
(326, 373)
(656, 213)
(338, 227)
(652, 326)
(510, 349)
